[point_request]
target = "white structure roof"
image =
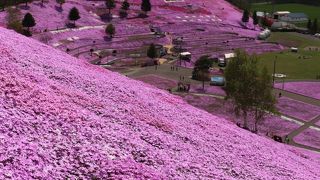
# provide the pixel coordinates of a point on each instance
(185, 54)
(282, 12)
(229, 55)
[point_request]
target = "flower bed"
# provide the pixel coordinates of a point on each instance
(311, 89)
(297, 109)
(309, 137)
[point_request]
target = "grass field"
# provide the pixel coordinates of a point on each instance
(302, 65)
(311, 11)
(291, 39)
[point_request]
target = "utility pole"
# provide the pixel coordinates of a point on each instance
(274, 70)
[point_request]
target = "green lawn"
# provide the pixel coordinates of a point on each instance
(289, 63)
(311, 11)
(292, 39)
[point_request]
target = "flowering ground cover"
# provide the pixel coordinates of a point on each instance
(208, 89)
(62, 117)
(177, 19)
(311, 89)
(271, 125)
(297, 109)
(157, 81)
(309, 137)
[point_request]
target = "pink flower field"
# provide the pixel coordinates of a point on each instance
(309, 137)
(64, 118)
(311, 89)
(219, 107)
(297, 109)
(157, 81)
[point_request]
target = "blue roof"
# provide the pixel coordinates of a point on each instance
(297, 15)
(217, 79)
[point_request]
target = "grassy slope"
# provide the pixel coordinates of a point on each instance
(289, 63)
(311, 11)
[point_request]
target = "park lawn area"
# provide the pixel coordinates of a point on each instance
(289, 63)
(311, 11)
(291, 39)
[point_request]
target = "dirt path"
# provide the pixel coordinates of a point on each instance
(300, 130)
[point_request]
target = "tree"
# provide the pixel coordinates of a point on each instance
(240, 75)
(249, 89)
(152, 51)
(264, 99)
(13, 19)
(74, 15)
(28, 21)
(146, 6)
(110, 30)
(60, 2)
(309, 25)
(201, 68)
(2, 5)
(110, 4)
(124, 8)
(315, 26)
(125, 5)
(27, 1)
(245, 16)
(255, 18)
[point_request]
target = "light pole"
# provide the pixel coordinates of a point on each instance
(274, 70)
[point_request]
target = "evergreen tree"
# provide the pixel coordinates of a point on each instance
(110, 30)
(74, 15)
(315, 26)
(255, 18)
(146, 6)
(125, 5)
(28, 21)
(2, 5)
(309, 25)
(152, 51)
(60, 2)
(124, 8)
(201, 68)
(110, 4)
(245, 16)
(27, 1)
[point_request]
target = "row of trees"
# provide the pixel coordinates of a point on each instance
(28, 20)
(313, 26)
(111, 4)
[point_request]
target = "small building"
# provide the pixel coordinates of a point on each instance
(294, 17)
(264, 34)
(161, 50)
(262, 15)
(294, 49)
(282, 26)
(229, 55)
(222, 62)
(217, 81)
(279, 14)
(186, 56)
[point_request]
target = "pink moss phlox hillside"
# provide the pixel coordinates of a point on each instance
(311, 89)
(62, 117)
